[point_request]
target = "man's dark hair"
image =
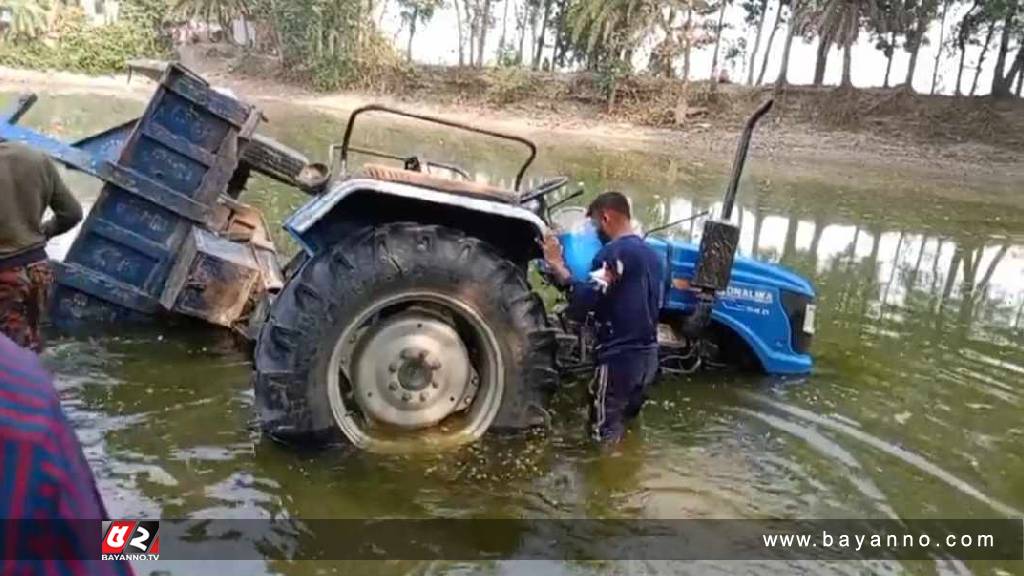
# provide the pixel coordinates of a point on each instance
(614, 201)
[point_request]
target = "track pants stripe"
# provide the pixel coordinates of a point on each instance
(600, 392)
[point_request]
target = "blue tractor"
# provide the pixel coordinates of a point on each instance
(409, 316)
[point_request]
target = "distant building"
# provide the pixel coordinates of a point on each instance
(101, 12)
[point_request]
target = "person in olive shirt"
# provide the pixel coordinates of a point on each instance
(29, 185)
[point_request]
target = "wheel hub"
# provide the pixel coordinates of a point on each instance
(411, 371)
(416, 370)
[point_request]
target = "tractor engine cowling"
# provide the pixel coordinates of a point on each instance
(767, 307)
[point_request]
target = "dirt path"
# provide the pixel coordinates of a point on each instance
(786, 145)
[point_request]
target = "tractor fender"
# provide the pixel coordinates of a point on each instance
(773, 361)
(517, 224)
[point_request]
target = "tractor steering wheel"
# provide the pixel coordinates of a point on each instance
(546, 187)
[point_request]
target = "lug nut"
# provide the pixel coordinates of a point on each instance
(392, 386)
(406, 397)
(423, 397)
(393, 367)
(434, 384)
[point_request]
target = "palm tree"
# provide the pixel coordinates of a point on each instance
(942, 39)
(771, 40)
(756, 12)
(414, 12)
(28, 18)
(922, 11)
(611, 29)
(220, 11)
(981, 58)
(1002, 80)
(799, 11)
(723, 4)
(838, 22)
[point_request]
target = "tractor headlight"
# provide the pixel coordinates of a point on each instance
(802, 313)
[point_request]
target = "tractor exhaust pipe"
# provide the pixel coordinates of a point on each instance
(720, 239)
(741, 158)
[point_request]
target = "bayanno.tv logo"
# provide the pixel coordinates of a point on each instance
(130, 540)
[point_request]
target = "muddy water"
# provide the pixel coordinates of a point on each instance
(914, 409)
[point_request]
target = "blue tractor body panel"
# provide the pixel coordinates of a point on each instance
(753, 306)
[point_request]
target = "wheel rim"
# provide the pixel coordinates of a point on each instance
(419, 369)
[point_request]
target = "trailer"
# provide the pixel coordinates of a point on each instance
(167, 236)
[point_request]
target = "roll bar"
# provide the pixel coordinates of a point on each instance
(433, 119)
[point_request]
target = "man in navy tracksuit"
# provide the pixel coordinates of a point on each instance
(624, 294)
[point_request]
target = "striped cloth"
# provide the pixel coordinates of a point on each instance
(50, 509)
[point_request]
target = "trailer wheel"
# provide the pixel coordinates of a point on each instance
(402, 336)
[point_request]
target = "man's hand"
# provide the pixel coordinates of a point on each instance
(553, 250)
(555, 260)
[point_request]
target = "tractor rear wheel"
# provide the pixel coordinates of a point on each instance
(405, 336)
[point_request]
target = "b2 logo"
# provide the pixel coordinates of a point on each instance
(130, 540)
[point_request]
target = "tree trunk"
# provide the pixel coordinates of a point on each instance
(1020, 81)
(561, 39)
(783, 78)
(847, 65)
(718, 41)
(951, 272)
(1000, 86)
(504, 21)
(757, 42)
(688, 42)
(962, 43)
(768, 47)
(821, 62)
(539, 52)
(922, 24)
(473, 17)
(458, 28)
(1016, 69)
(412, 32)
(1003, 80)
(938, 52)
(889, 57)
(522, 34)
(981, 59)
(789, 244)
(482, 34)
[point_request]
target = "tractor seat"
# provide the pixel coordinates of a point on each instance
(461, 187)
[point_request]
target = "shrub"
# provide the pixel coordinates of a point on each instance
(80, 47)
(507, 85)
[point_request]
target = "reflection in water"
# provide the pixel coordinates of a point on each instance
(913, 409)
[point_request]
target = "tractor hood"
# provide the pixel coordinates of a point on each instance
(683, 257)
